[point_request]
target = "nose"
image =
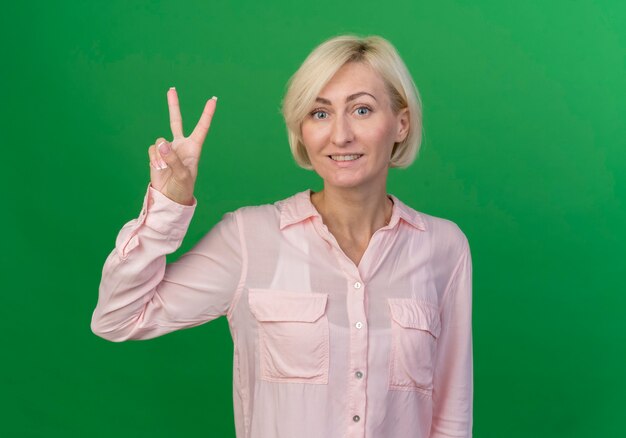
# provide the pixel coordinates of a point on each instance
(342, 133)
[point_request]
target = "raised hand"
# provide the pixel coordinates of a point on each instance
(174, 165)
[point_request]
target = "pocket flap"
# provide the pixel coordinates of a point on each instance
(272, 305)
(410, 313)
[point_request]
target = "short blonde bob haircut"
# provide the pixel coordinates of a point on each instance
(322, 64)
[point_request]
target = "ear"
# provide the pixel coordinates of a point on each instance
(403, 125)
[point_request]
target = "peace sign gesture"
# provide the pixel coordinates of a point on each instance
(174, 165)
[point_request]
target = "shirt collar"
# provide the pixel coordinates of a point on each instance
(299, 207)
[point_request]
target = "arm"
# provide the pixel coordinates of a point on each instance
(140, 297)
(453, 379)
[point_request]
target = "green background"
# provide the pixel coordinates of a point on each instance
(524, 148)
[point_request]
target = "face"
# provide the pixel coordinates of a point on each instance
(350, 131)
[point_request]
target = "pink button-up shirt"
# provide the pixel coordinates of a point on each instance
(322, 348)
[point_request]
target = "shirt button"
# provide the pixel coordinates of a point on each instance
(357, 285)
(356, 418)
(358, 374)
(359, 325)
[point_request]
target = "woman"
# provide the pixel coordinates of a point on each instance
(350, 312)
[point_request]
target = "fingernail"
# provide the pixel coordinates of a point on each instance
(214, 98)
(172, 88)
(159, 165)
(163, 148)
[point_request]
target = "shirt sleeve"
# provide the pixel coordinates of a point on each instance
(142, 297)
(453, 378)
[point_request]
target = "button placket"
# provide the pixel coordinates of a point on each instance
(358, 351)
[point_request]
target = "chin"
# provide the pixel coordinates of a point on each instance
(344, 183)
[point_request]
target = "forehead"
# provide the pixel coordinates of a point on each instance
(353, 77)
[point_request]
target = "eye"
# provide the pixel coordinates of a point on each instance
(363, 110)
(322, 114)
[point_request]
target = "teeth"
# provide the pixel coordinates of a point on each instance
(344, 157)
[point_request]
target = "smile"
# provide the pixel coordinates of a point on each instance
(345, 157)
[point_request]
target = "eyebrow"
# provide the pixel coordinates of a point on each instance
(348, 99)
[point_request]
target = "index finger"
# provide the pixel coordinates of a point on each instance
(199, 133)
(176, 120)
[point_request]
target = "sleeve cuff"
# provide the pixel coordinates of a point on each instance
(159, 213)
(165, 215)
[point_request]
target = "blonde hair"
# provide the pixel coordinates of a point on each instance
(322, 64)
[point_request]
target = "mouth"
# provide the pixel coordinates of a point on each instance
(350, 157)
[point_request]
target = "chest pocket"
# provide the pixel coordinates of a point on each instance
(415, 327)
(293, 335)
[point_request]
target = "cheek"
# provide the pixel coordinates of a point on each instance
(380, 138)
(312, 137)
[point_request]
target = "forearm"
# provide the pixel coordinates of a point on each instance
(136, 266)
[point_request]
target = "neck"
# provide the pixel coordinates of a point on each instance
(353, 213)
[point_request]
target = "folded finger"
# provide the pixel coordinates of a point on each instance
(154, 161)
(159, 141)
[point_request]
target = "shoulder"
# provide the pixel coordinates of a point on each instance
(448, 244)
(443, 234)
(262, 213)
(445, 230)
(270, 212)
